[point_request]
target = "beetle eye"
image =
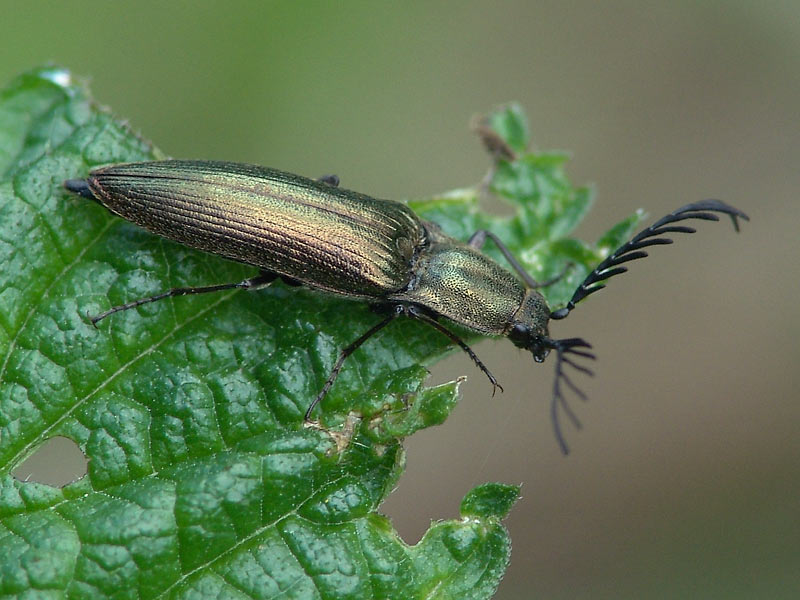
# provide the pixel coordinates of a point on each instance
(519, 335)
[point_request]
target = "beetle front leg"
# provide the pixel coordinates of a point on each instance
(479, 238)
(414, 312)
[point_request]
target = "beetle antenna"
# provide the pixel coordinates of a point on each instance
(563, 349)
(652, 236)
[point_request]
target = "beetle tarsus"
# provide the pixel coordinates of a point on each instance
(91, 319)
(331, 180)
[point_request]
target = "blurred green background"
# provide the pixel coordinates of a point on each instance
(685, 481)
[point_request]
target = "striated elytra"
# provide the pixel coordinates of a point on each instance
(313, 233)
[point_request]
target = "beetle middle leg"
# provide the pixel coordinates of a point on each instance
(347, 351)
(479, 238)
(395, 311)
(261, 280)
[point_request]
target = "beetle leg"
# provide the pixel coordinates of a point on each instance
(343, 356)
(479, 238)
(331, 180)
(418, 314)
(263, 279)
(80, 187)
(557, 278)
(291, 282)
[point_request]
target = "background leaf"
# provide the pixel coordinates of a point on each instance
(201, 478)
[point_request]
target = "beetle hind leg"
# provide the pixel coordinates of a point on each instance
(261, 280)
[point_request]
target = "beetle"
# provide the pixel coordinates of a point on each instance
(314, 233)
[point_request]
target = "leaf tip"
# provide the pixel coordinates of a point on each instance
(489, 501)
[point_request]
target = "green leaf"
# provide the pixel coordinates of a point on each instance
(619, 233)
(490, 500)
(202, 478)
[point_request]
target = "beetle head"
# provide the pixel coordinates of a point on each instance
(528, 328)
(525, 337)
(529, 332)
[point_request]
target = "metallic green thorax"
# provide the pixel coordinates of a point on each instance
(458, 282)
(322, 236)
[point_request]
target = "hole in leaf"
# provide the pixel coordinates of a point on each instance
(57, 462)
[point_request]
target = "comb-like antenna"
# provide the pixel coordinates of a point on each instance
(651, 236)
(563, 348)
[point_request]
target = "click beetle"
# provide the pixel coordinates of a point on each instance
(316, 234)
